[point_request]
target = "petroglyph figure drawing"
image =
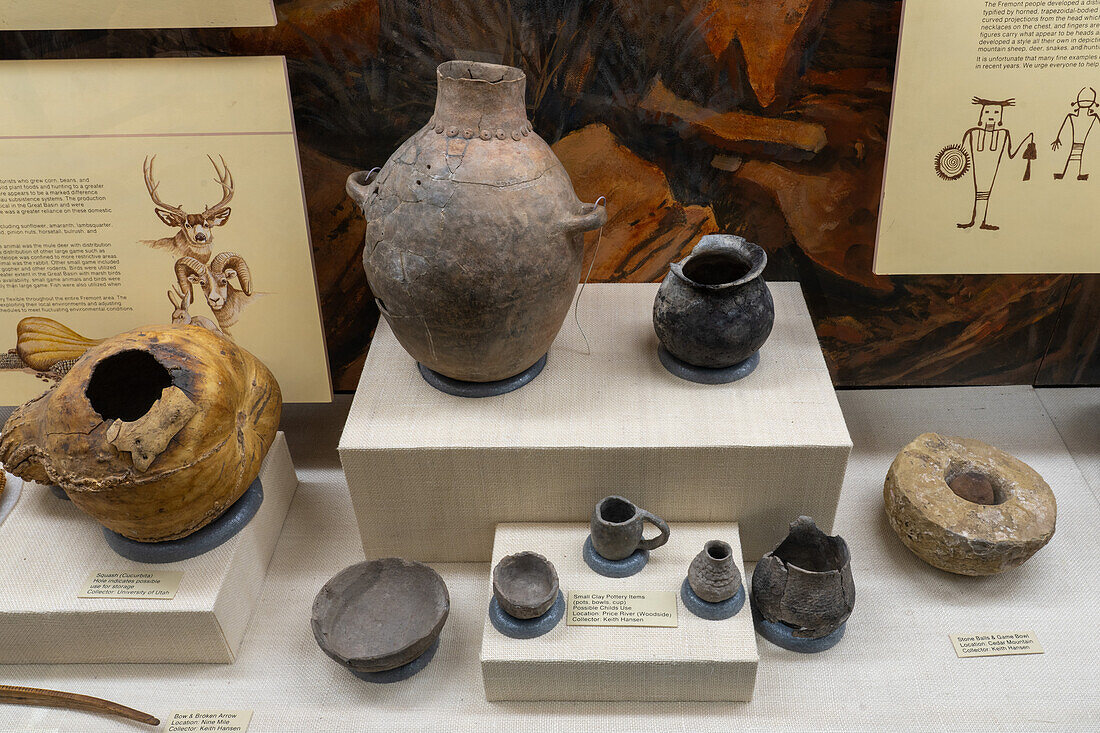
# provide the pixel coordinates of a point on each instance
(985, 146)
(1080, 122)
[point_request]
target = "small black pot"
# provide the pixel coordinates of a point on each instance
(713, 309)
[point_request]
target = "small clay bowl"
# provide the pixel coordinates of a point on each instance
(525, 585)
(380, 614)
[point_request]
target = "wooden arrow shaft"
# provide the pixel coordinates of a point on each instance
(71, 701)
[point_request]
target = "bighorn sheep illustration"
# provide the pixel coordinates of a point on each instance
(181, 305)
(195, 237)
(216, 279)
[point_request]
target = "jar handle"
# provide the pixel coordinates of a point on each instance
(358, 183)
(593, 217)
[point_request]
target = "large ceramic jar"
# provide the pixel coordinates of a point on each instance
(474, 236)
(713, 309)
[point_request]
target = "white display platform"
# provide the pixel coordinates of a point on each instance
(431, 475)
(698, 660)
(895, 669)
(49, 548)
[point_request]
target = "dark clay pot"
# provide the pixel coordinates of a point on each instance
(806, 582)
(474, 236)
(713, 309)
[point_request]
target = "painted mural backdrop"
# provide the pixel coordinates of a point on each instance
(766, 119)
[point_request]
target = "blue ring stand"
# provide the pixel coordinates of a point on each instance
(404, 672)
(614, 568)
(232, 521)
(783, 636)
(460, 388)
(708, 610)
(707, 375)
(526, 628)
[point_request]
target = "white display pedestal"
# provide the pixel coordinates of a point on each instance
(431, 475)
(697, 660)
(50, 548)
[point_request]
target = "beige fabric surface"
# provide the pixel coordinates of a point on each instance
(50, 547)
(1075, 412)
(894, 670)
(432, 474)
(696, 660)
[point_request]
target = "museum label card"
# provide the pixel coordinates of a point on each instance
(622, 608)
(993, 159)
(153, 584)
(995, 644)
(116, 171)
(208, 721)
(35, 15)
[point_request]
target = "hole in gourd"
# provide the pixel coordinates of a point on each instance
(616, 511)
(125, 385)
(716, 269)
(975, 486)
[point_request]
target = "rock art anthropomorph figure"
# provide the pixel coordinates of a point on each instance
(986, 145)
(1080, 122)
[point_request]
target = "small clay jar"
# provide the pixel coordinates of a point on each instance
(805, 583)
(525, 585)
(713, 574)
(713, 309)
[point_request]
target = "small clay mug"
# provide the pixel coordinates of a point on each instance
(617, 529)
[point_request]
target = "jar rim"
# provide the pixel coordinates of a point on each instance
(480, 72)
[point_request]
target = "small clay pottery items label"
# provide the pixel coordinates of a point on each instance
(155, 432)
(527, 600)
(714, 311)
(803, 589)
(381, 616)
(967, 507)
(617, 529)
(474, 236)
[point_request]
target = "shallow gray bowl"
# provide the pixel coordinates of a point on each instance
(525, 585)
(380, 614)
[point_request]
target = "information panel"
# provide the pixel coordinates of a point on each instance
(126, 200)
(993, 161)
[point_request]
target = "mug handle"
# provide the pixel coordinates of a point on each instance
(660, 524)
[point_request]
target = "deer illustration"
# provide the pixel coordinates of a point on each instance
(195, 237)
